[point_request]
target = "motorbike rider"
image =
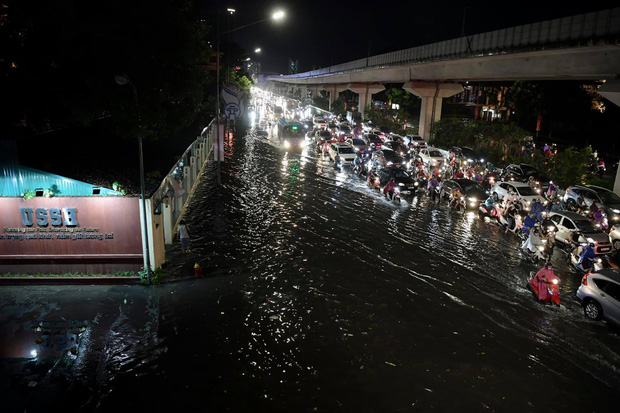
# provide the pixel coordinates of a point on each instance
(587, 257)
(478, 178)
(509, 213)
(543, 277)
(532, 182)
(372, 175)
(433, 184)
(537, 209)
(582, 206)
(552, 191)
(337, 161)
(533, 241)
(528, 223)
(388, 190)
(490, 167)
(600, 218)
(455, 196)
(357, 162)
(459, 174)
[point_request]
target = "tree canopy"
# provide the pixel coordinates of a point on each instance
(59, 61)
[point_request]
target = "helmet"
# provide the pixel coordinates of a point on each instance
(392, 180)
(548, 265)
(592, 244)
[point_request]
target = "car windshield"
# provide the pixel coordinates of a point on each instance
(585, 225)
(345, 149)
(417, 138)
(529, 170)
(469, 186)
(358, 142)
(325, 133)
(435, 154)
(526, 191)
(401, 174)
(609, 197)
(345, 129)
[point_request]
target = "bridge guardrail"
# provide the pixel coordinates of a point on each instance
(590, 28)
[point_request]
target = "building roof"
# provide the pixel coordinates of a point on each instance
(16, 180)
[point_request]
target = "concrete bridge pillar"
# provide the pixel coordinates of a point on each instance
(432, 95)
(365, 91)
(334, 91)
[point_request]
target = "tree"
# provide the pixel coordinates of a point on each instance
(59, 61)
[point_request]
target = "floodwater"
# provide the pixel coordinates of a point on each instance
(320, 296)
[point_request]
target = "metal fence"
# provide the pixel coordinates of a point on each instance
(176, 188)
(602, 27)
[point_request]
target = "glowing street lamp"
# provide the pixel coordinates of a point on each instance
(277, 15)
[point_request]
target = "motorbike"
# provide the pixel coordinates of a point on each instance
(394, 196)
(373, 181)
(358, 169)
(492, 212)
(458, 205)
(540, 253)
(435, 194)
(553, 289)
(516, 225)
(596, 264)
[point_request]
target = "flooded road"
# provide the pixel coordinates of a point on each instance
(323, 296)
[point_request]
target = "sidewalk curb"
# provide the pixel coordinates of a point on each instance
(69, 281)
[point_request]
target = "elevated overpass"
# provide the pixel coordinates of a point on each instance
(580, 47)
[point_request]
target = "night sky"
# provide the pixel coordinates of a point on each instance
(320, 33)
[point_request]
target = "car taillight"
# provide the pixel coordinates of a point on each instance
(584, 280)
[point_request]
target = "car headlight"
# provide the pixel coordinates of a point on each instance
(287, 144)
(389, 163)
(416, 183)
(401, 184)
(481, 160)
(470, 160)
(472, 199)
(615, 211)
(555, 281)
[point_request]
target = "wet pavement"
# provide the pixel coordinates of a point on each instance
(317, 295)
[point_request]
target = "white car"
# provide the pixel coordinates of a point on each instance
(358, 144)
(569, 222)
(416, 140)
(519, 191)
(347, 152)
(320, 123)
(432, 158)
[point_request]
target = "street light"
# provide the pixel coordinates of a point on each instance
(124, 80)
(277, 15)
(257, 50)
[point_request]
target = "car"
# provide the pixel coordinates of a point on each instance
(568, 222)
(467, 154)
(417, 141)
(344, 130)
(261, 132)
(386, 157)
(432, 158)
(599, 294)
(473, 192)
(320, 123)
(372, 140)
(347, 152)
(525, 195)
(405, 182)
(397, 147)
(358, 144)
(603, 197)
(522, 172)
(614, 236)
(322, 135)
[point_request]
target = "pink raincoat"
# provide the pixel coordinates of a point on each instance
(540, 278)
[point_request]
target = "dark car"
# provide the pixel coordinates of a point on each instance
(465, 153)
(397, 147)
(392, 158)
(473, 192)
(522, 172)
(404, 181)
(372, 140)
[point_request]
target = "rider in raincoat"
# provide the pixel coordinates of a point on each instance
(533, 241)
(543, 277)
(586, 257)
(529, 222)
